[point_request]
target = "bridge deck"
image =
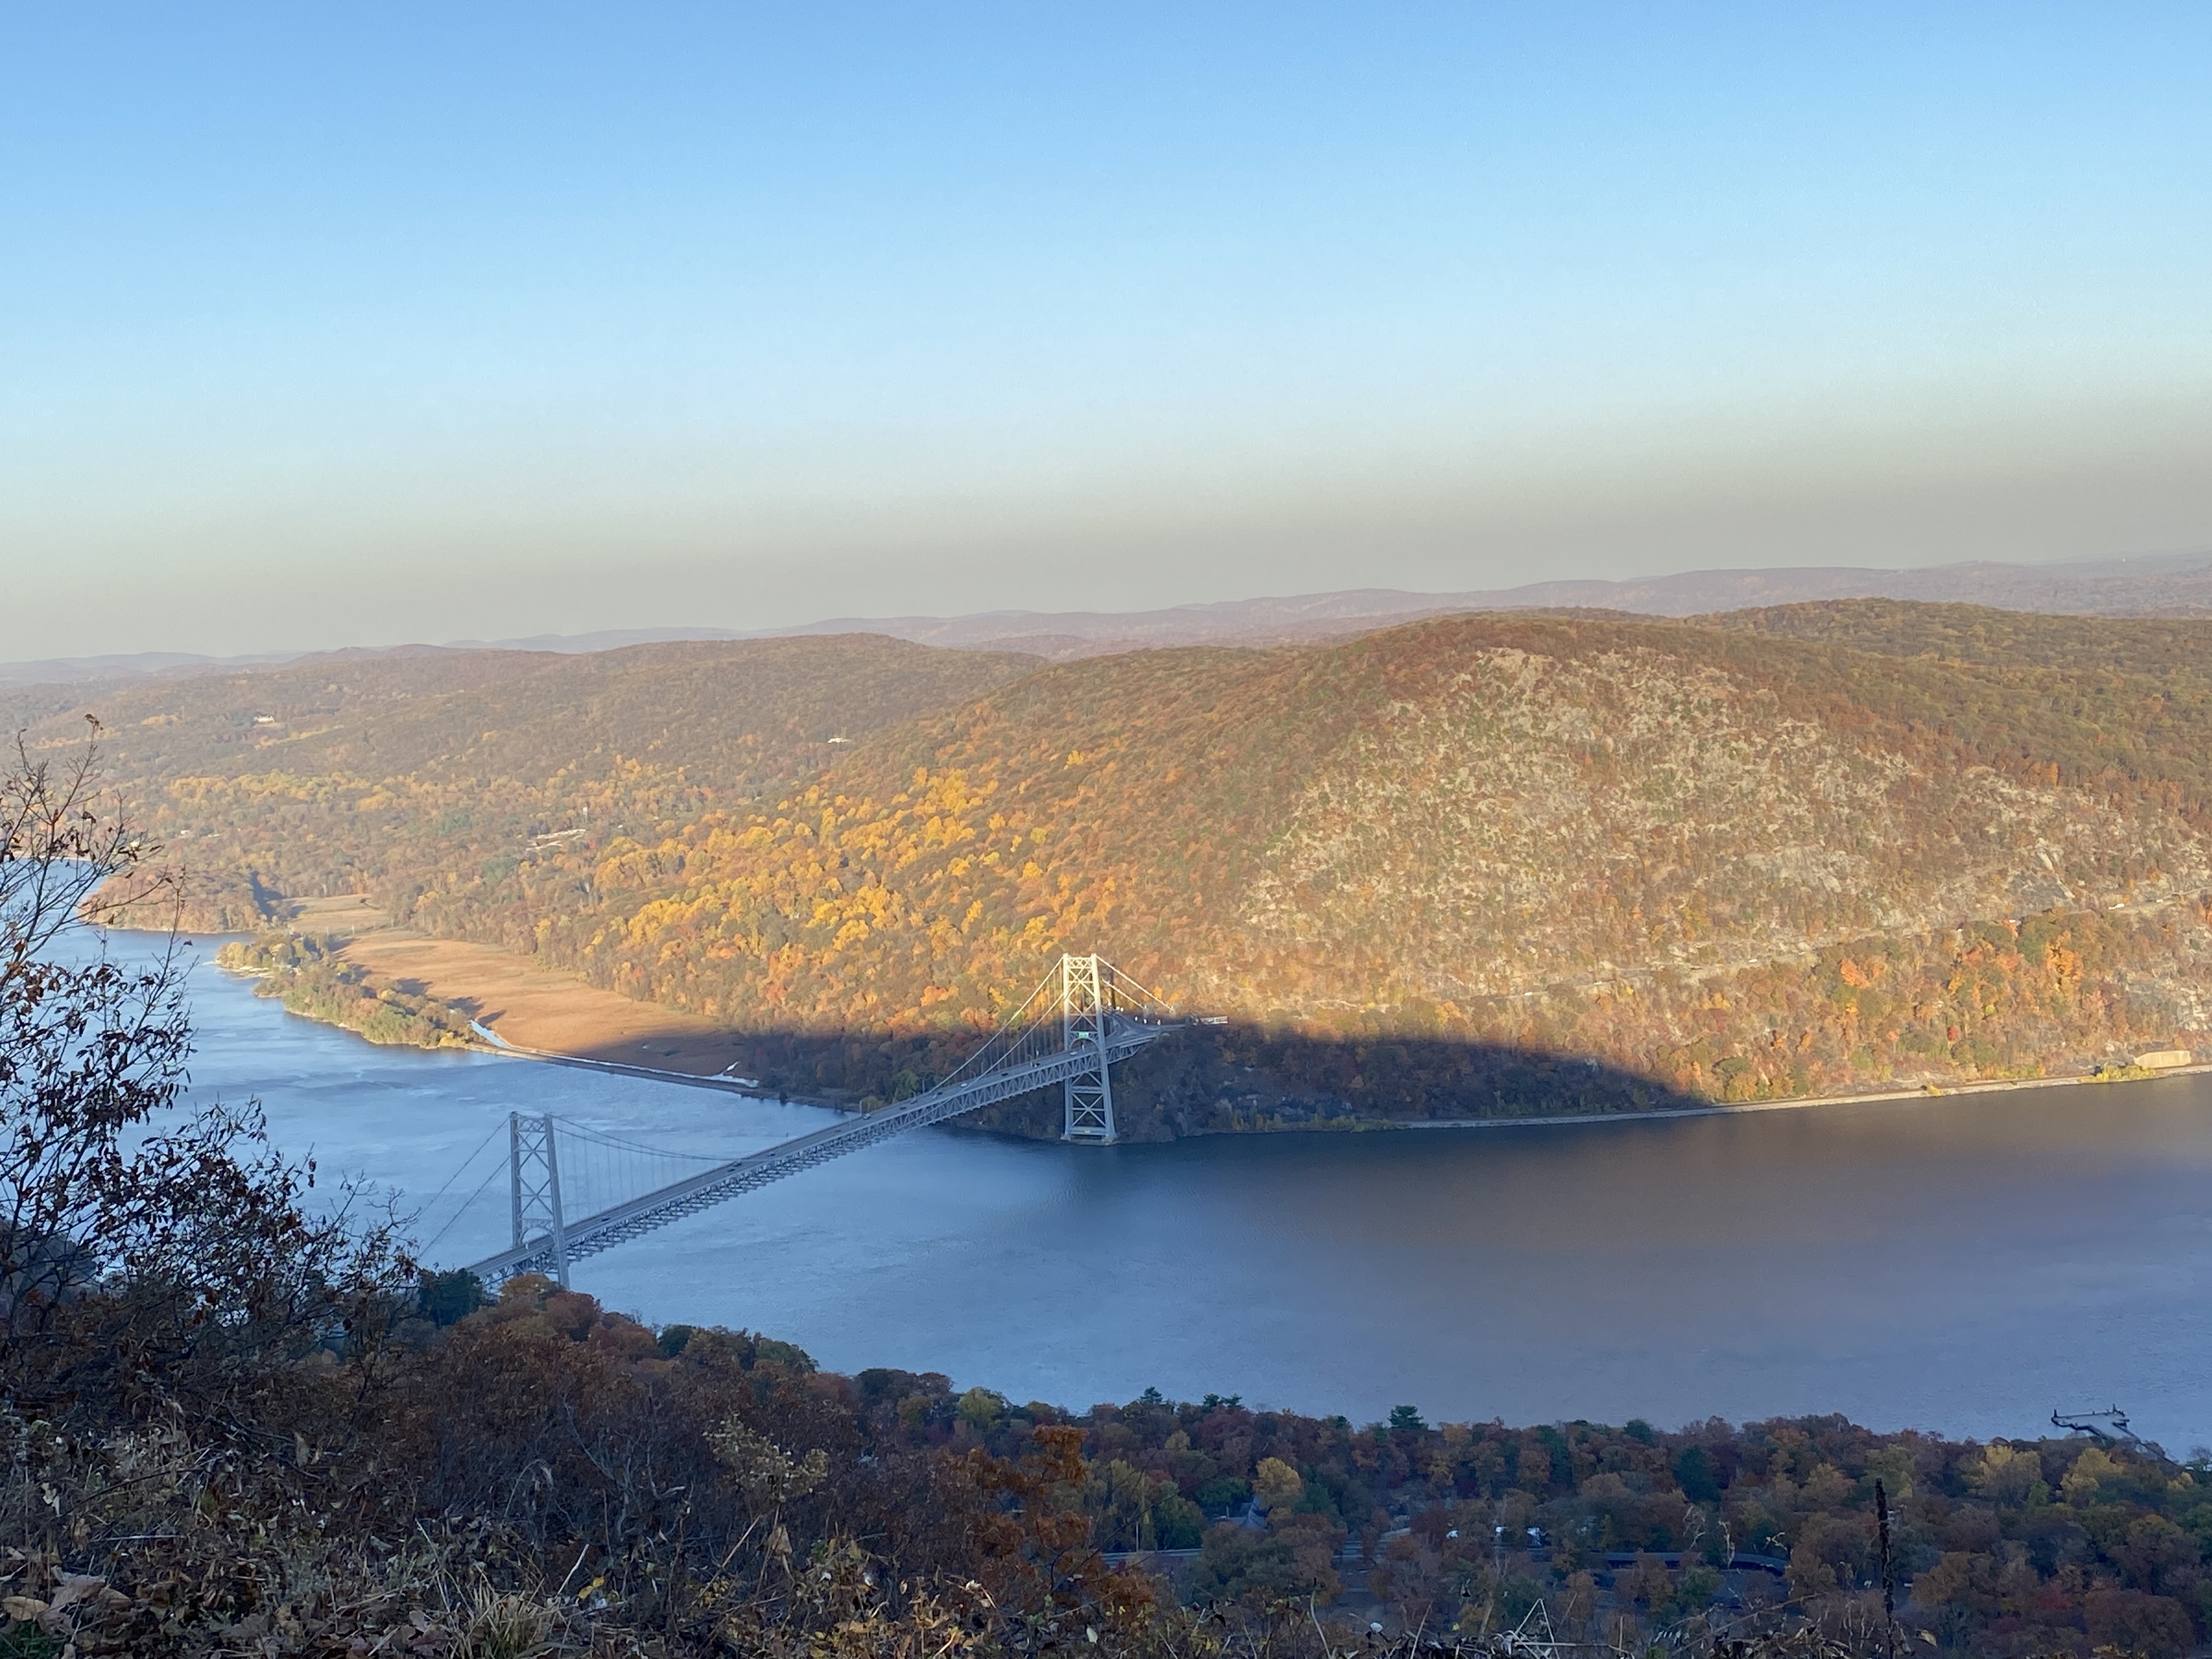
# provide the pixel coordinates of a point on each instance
(591, 1234)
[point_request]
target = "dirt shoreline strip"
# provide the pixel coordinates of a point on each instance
(522, 1003)
(543, 1014)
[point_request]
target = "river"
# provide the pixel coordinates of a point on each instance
(1962, 1264)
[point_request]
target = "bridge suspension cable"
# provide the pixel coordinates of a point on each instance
(1069, 1031)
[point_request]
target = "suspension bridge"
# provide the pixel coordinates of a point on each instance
(1085, 1016)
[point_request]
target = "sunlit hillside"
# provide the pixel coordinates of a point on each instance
(449, 772)
(1762, 854)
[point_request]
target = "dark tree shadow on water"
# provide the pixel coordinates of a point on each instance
(1216, 1079)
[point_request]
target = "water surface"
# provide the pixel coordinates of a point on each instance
(1962, 1264)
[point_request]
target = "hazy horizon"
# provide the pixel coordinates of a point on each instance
(334, 330)
(611, 638)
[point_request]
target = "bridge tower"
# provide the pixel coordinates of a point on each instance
(534, 1186)
(1084, 1016)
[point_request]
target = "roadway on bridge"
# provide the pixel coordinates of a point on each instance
(1124, 1034)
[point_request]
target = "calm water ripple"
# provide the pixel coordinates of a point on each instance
(1962, 1264)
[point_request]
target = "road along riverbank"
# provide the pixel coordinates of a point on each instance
(1739, 1108)
(524, 1011)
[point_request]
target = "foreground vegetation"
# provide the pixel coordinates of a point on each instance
(236, 1418)
(541, 1472)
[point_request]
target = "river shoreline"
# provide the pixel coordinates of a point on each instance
(1733, 1108)
(494, 1045)
(554, 996)
(747, 1089)
(1555, 1121)
(1965, 1267)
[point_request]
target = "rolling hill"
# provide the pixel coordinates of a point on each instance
(1461, 866)
(414, 774)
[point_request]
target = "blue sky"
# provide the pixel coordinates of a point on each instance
(324, 326)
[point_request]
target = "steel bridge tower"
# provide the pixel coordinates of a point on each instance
(534, 1187)
(1084, 1018)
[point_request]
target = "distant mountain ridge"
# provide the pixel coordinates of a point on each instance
(2169, 584)
(2151, 585)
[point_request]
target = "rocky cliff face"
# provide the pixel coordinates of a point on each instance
(1541, 820)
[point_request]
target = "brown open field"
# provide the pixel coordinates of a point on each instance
(527, 1006)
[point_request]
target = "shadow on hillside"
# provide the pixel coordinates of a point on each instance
(1211, 1080)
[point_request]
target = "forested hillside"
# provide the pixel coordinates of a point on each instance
(692, 1470)
(446, 771)
(1767, 853)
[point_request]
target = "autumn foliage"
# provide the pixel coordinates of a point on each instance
(544, 1472)
(1425, 872)
(234, 1418)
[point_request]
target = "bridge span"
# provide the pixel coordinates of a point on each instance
(1085, 1017)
